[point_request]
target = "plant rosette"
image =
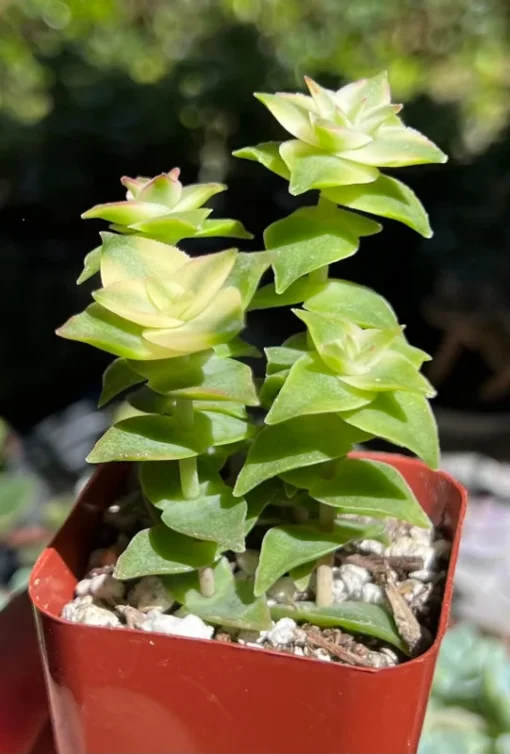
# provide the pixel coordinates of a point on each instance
(269, 536)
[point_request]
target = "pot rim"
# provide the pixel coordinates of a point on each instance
(375, 455)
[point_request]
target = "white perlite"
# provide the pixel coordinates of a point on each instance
(81, 611)
(424, 536)
(371, 547)
(411, 547)
(101, 587)
(150, 593)
(348, 582)
(372, 593)
(190, 626)
(283, 633)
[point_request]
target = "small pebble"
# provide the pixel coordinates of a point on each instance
(69, 610)
(391, 655)
(422, 575)
(300, 638)
(409, 547)
(378, 660)
(353, 577)
(150, 592)
(371, 547)
(410, 589)
(340, 593)
(282, 633)
(106, 587)
(321, 654)
(372, 593)
(90, 615)
(132, 617)
(424, 536)
(190, 626)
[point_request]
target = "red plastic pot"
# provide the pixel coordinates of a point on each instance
(126, 692)
(23, 702)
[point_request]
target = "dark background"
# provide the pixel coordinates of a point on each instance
(91, 90)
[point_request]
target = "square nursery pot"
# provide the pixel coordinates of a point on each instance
(117, 691)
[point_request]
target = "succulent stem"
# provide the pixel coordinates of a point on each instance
(191, 486)
(206, 580)
(187, 466)
(324, 590)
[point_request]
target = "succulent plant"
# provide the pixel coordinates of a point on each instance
(468, 709)
(174, 324)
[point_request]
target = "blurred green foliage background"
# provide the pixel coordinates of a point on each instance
(94, 89)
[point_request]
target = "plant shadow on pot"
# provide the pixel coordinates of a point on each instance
(114, 690)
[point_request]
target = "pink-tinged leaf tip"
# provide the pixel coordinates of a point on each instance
(174, 174)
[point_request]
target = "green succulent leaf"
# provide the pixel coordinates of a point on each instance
(358, 617)
(311, 238)
(214, 515)
(365, 93)
(131, 257)
(236, 348)
(271, 387)
(159, 551)
(397, 147)
(290, 115)
(286, 547)
(246, 273)
(387, 197)
(267, 493)
(146, 401)
(222, 228)
(365, 488)
(233, 603)
(302, 575)
(268, 155)
(415, 355)
(224, 429)
(217, 378)
(100, 328)
(392, 372)
(220, 321)
(354, 302)
(152, 438)
(311, 168)
(195, 195)
(267, 297)
(163, 189)
(223, 407)
(403, 418)
(280, 358)
(302, 441)
(118, 376)
(312, 388)
(125, 213)
(171, 227)
(91, 265)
